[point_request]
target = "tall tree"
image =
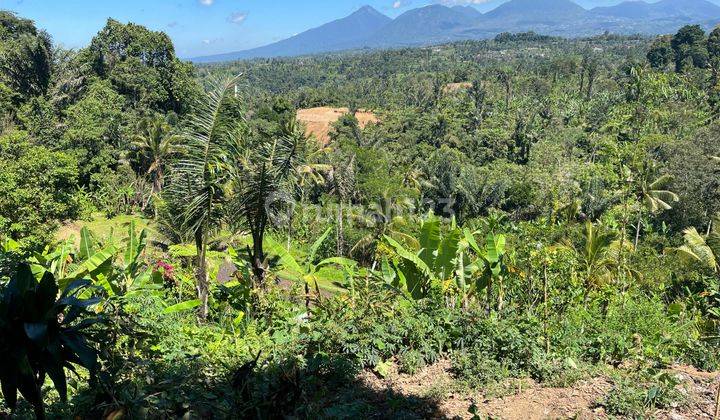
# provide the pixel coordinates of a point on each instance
(504, 77)
(199, 178)
(25, 56)
(142, 66)
(661, 53)
(690, 48)
(264, 179)
(156, 142)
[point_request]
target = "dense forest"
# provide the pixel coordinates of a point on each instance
(526, 211)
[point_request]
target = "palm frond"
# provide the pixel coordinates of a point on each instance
(697, 248)
(197, 178)
(661, 182)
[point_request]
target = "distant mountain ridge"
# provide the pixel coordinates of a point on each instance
(368, 28)
(337, 35)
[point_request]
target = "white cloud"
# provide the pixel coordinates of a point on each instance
(207, 2)
(211, 41)
(400, 3)
(238, 18)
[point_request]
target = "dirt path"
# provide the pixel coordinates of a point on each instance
(434, 386)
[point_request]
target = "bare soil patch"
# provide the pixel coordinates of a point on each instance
(435, 386)
(318, 121)
(454, 87)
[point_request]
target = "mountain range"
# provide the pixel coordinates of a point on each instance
(434, 24)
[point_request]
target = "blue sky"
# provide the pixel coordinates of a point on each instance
(202, 27)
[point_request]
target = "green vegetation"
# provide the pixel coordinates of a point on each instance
(527, 208)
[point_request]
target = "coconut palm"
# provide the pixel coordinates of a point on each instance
(385, 218)
(197, 193)
(704, 250)
(655, 198)
(595, 256)
(156, 143)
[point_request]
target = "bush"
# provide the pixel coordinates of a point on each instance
(636, 328)
(634, 396)
(371, 334)
(38, 189)
(490, 349)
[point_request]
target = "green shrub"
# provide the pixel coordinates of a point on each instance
(374, 333)
(637, 328)
(489, 349)
(634, 396)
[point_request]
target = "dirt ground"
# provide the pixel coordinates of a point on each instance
(531, 401)
(318, 121)
(454, 87)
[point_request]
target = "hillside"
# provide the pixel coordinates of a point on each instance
(520, 228)
(345, 33)
(666, 9)
(434, 24)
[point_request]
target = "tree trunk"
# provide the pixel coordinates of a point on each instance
(501, 297)
(158, 182)
(340, 233)
(545, 308)
(508, 95)
(709, 228)
(637, 230)
(258, 258)
(621, 259)
(201, 276)
(489, 297)
(307, 297)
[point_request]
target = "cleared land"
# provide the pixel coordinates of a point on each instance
(318, 121)
(433, 393)
(454, 87)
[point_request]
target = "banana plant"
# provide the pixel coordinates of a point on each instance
(493, 265)
(306, 270)
(432, 263)
(119, 273)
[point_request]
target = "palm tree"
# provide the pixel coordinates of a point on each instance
(312, 173)
(264, 179)
(505, 78)
(197, 192)
(654, 196)
(343, 181)
(384, 218)
(595, 256)
(704, 250)
(156, 143)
